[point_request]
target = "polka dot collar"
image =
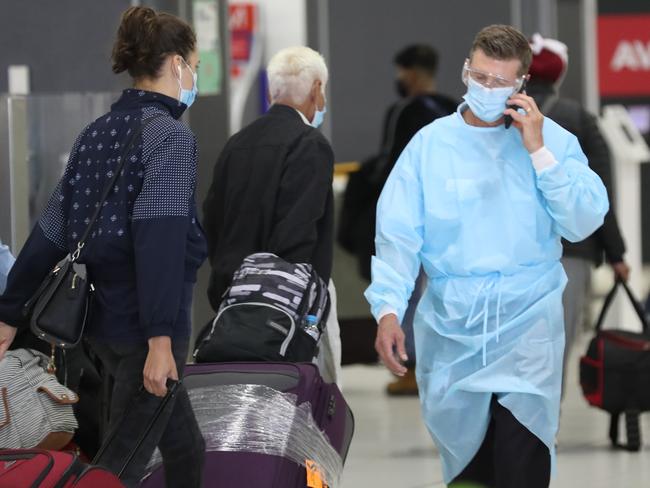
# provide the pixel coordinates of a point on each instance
(132, 98)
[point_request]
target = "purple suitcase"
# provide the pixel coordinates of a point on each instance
(244, 469)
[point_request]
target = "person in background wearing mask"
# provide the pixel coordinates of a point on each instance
(420, 103)
(6, 262)
(550, 60)
(144, 250)
(482, 208)
(272, 186)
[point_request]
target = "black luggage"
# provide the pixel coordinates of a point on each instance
(615, 372)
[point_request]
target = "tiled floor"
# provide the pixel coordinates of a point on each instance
(392, 449)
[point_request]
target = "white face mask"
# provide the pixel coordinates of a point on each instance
(488, 104)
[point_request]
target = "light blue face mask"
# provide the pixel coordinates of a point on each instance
(319, 116)
(187, 96)
(487, 104)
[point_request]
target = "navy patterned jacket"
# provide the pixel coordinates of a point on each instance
(146, 247)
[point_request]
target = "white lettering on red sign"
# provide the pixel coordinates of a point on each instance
(238, 19)
(632, 55)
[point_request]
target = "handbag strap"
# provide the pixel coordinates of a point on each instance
(110, 185)
(635, 303)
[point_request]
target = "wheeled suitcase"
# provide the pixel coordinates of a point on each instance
(243, 468)
(35, 468)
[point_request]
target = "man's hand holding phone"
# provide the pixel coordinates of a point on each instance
(529, 124)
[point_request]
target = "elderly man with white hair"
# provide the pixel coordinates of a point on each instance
(272, 186)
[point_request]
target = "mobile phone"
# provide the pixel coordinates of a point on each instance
(508, 118)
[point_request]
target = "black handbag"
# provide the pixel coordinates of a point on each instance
(59, 309)
(615, 372)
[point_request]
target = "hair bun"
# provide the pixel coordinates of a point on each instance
(145, 38)
(135, 36)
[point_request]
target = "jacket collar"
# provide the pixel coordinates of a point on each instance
(284, 111)
(132, 99)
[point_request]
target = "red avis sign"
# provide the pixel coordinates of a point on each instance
(624, 55)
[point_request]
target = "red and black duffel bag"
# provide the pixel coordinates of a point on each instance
(615, 372)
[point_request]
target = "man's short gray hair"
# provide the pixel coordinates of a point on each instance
(292, 72)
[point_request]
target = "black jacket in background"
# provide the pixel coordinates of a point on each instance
(271, 192)
(573, 117)
(412, 114)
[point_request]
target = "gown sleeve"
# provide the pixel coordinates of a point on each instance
(574, 196)
(399, 237)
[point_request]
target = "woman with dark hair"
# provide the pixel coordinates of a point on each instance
(144, 250)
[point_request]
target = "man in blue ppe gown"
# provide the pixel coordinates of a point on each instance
(482, 208)
(6, 262)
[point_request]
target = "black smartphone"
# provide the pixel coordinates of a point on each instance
(508, 118)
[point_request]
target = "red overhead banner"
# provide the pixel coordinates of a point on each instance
(624, 55)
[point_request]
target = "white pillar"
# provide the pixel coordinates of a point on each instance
(589, 9)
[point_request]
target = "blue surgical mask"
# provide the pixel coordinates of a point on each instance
(486, 103)
(188, 96)
(318, 117)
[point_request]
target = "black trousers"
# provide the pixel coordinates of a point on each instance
(176, 433)
(510, 457)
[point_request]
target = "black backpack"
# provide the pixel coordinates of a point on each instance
(272, 311)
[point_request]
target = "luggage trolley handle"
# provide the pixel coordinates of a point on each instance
(635, 303)
(172, 389)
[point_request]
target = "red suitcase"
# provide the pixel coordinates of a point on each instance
(35, 468)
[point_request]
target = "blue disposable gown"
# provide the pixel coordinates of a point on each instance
(6, 262)
(467, 204)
